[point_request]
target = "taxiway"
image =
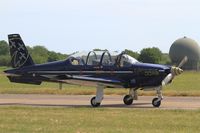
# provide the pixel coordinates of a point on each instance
(84, 101)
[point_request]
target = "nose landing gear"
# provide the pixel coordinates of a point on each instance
(156, 102)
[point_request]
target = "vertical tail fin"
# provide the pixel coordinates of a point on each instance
(19, 53)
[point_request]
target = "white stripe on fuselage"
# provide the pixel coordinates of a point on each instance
(95, 79)
(71, 72)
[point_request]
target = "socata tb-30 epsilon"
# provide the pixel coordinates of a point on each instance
(96, 68)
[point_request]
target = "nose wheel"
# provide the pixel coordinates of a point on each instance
(156, 102)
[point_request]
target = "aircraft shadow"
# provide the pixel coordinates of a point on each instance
(135, 105)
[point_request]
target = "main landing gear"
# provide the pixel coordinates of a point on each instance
(96, 101)
(128, 99)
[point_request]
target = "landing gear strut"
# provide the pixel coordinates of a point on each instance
(96, 101)
(60, 85)
(156, 102)
(128, 99)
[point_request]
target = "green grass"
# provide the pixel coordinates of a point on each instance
(96, 120)
(21, 119)
(187, 84)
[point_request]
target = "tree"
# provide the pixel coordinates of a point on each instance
(165, 59)
(5, 60)
(4, 54)
(4, 48)
(39, 54)
(131, 53)
(150, 55)
(53, 56)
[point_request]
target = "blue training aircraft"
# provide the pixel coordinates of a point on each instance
(96, 68)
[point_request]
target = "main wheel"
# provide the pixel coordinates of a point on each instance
(93, 102)
(156, 103)
(128, 100)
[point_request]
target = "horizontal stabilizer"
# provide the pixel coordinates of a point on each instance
(24, 80)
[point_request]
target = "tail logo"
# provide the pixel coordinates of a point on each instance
(19, 54)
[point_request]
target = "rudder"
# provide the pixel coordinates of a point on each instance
(18, 52)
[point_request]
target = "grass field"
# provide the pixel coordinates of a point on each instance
(27, 119)
(96, 120)
(187, 84)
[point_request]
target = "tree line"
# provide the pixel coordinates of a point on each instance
(150, 55)
(40, 54)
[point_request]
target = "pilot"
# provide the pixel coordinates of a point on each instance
(74, 61)
(77, 61)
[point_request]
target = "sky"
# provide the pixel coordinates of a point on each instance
(75, 25)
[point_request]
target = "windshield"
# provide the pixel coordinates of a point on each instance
(127, 60)
(130, 59)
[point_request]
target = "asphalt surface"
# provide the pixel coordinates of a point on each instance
(84, 101)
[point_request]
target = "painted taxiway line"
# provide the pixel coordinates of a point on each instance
(84, 101)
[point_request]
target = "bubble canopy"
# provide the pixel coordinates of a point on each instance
(104, 58)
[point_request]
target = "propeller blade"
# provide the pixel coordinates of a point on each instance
(184, 60)
(167, 79)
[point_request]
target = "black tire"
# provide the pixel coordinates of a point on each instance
(93, 103)
(156, 103)
(128, 100)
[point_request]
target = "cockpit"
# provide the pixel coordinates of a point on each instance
(102, 58)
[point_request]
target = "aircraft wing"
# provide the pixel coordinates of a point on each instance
(69, 78)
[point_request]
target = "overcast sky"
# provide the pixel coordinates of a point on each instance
(72, 25)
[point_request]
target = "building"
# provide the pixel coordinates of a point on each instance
(185, 47)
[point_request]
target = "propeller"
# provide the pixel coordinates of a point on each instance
(174, 71)
(184, 60)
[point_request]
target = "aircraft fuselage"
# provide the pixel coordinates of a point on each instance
(135, 76)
